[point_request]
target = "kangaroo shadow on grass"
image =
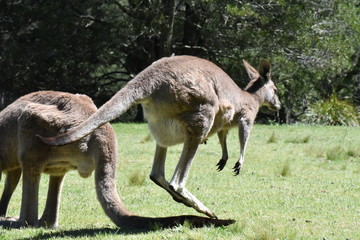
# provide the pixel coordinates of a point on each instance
(77, 233)
(193, 222)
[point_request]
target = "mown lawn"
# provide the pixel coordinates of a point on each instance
(298, 182)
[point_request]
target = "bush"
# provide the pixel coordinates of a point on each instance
(332, 111)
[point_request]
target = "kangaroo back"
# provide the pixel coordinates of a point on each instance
(176, 79)
(117, 105)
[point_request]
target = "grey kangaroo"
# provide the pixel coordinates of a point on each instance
(49, 113)
(185, 100)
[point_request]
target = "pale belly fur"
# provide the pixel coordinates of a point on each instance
(61, 161)
(167, 132)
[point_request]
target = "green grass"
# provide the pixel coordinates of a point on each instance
(272, 138)
(137, 179)
(302, 184)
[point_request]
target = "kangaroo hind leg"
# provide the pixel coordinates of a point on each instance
(29, 200)
(51, 212)
(157, 174)
(177, 184)
(12, 180)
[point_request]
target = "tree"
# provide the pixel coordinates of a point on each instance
(95, 46)
(57, 45)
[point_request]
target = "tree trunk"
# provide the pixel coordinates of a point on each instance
(171, 12)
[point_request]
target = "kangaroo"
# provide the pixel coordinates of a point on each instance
(185, 100)
(21, 153)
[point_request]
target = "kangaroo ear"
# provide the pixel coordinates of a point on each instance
(252, 72)
(265, 69)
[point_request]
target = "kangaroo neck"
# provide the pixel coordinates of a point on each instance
(258, 96)
(248, 106)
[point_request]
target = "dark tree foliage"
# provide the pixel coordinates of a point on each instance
(95, 47)
(59, 45)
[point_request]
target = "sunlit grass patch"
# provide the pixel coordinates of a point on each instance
(137, 179)
(354, 152)
(317, 152)
(285, 170)
(264, 232)
(297, 140)
(336, 153)
(341, 152)
(272, 138)
(237, 228)
(146, 139)
(285, 191)
(357, 171)
(343, 167)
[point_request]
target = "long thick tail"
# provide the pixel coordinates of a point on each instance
(122, 217)
(117, 105)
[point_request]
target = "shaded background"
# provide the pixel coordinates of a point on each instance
(94, 47)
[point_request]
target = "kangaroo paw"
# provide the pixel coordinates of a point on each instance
(237, 168)
(221, 164)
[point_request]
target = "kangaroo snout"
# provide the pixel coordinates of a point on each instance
(276, 107)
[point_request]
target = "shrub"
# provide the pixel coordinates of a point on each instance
(285, 171)
(332, 111)
(336, 154)
(341, 152)
(305, 139)
(137, 179)
(272, 138)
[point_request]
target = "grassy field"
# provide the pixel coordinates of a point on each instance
(298, 182)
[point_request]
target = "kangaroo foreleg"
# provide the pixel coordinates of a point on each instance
(177, 184)
(245, 126)
(222, 138)
(51, 211)
(12, 180)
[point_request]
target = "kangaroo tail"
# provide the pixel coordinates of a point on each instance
(114, 208)
(117, 105)
(123, 218)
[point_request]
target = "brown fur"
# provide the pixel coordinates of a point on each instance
(186, 100)
(21, 153)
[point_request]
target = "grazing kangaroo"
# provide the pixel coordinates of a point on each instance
(49, 113)
(186, 100)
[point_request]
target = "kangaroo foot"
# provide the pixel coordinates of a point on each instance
(3, 218)
(177, 197)
(10, 222)
(190, 200)
(162, 183)
(180, 200)
(237, 168)
(47, 224)
(221, 164)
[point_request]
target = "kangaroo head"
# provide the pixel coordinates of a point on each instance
(262, 86)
